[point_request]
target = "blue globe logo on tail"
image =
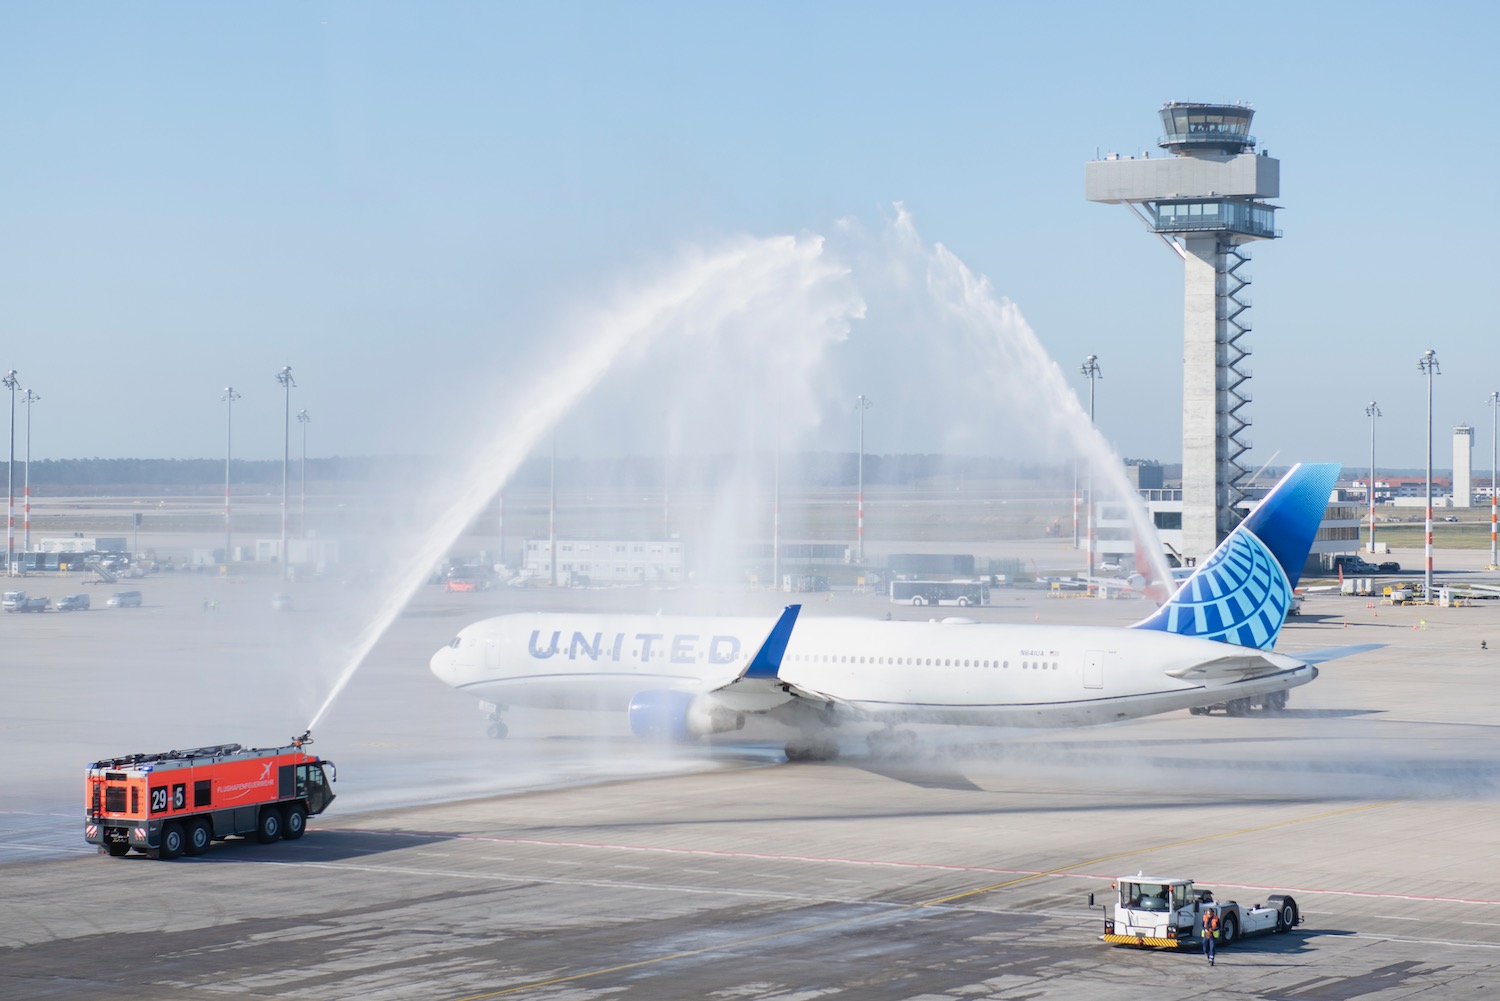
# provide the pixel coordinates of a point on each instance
(1240, 596)
(1242, 593)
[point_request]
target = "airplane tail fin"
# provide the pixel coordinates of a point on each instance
(1242, 593)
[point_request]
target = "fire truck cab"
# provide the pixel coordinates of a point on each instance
(175, 802)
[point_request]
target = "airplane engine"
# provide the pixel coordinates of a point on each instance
(679, 716)
(1137, 582)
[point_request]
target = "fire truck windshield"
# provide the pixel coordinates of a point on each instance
(312, 784)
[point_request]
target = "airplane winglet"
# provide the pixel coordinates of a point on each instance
(767, 660)
(1326, 654)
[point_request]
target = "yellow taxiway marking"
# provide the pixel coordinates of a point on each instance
(890, 912)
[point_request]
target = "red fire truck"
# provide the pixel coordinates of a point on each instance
(182, 801)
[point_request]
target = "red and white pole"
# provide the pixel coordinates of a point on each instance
(1494, 487)
(1429, 542)
(1493, 538)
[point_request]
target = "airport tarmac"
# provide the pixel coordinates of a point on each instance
(570, 861)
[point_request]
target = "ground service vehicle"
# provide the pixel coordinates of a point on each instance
(1351, 565)
(1168, 914)
(124, 599)
(940, 592)
(73, 603)
(181, 801)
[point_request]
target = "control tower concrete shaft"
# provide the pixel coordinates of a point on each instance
(1204, 201)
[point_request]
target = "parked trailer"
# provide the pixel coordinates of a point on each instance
(1168, 914)
(175, 802)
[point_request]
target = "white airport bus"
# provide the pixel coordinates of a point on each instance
(940, 592)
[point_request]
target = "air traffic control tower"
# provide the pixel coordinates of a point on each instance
(1204, 201)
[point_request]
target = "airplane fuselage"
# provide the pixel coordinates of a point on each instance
(932, 672)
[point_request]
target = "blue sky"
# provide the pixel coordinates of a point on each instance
(398, 200)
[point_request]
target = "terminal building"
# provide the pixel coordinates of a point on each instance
(605, 561)
(1116, 542)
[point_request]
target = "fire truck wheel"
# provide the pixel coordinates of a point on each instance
(199, 837)
(269, 828)
(119, 849)
(296, 822)
(172, 841)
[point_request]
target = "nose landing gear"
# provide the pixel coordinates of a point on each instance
(497, 730)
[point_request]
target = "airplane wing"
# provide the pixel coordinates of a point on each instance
(760, 687)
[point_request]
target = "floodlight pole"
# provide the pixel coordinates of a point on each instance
(12, 384)
(229, 397)
(1091, 369)
(304, 420)
(552, 515)
(1494, 488)
(776, 505)
(287, 382)
(862, 405)
(28, 398)
(1372, 411)
(1428, 366)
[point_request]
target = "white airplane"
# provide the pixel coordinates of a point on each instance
(684, 677)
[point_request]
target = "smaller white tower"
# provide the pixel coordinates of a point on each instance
(1463, 466)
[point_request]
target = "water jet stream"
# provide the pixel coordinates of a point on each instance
(748, 278)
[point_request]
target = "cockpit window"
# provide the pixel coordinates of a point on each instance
(456, 641)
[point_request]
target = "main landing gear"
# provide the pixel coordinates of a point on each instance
(812, 747)
(890, 742)
(1273, 702)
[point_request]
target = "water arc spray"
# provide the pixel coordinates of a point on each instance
(696, 299)
(801, 300)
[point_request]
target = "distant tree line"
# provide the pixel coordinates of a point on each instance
(644, 473)
(93, 476)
